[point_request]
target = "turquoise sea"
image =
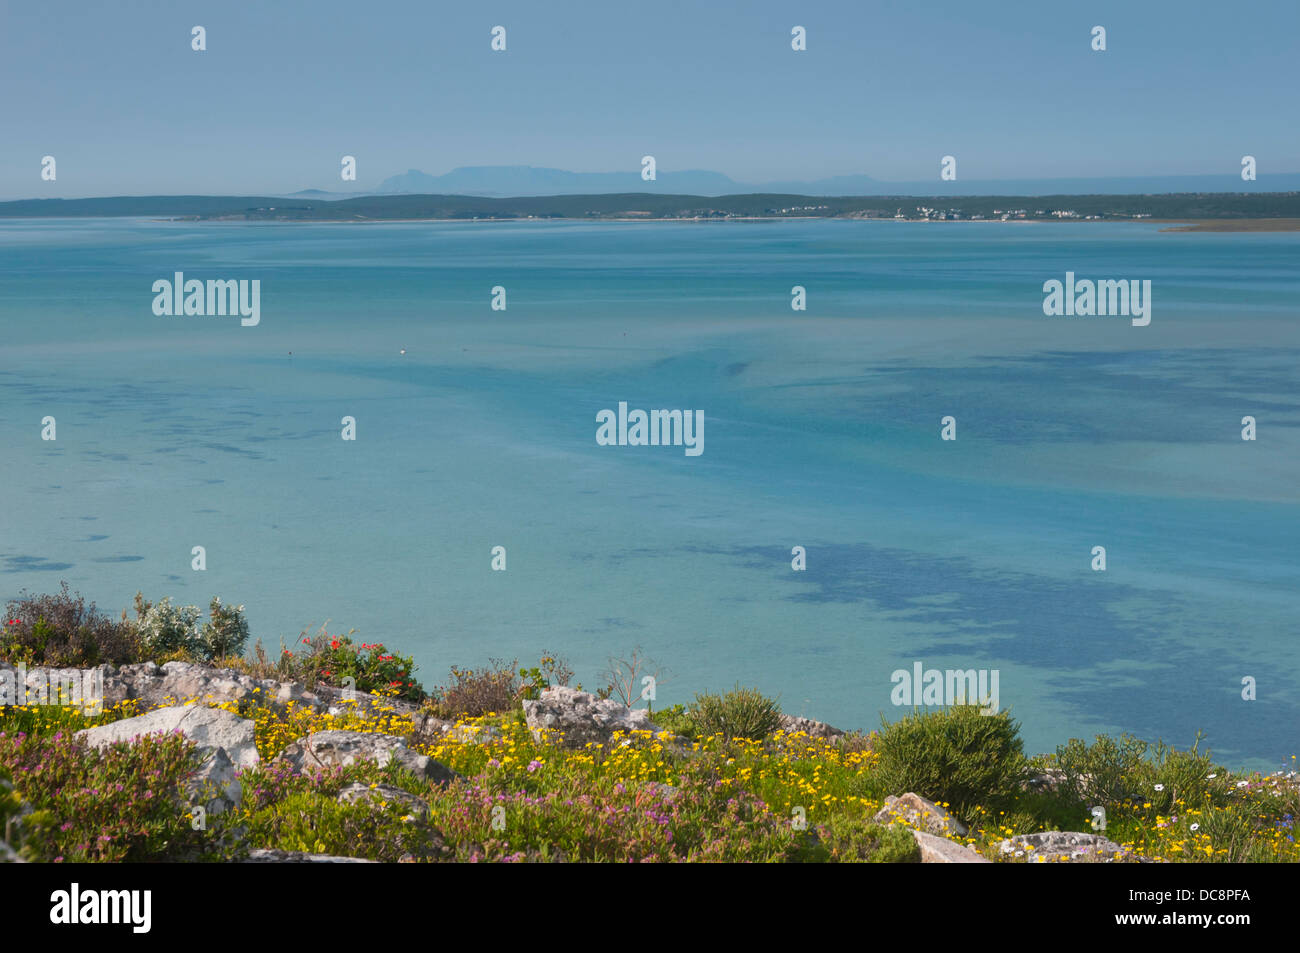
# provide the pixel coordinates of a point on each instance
(822, 431)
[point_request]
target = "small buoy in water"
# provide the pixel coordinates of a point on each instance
(403, 351)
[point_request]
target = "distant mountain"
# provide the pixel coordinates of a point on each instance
(515, 181)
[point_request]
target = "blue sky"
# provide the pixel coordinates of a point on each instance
(286, 88)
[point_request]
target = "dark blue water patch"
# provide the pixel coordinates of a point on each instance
(279, 436)
(619, 558)
(32, 564)
(240, 451)
(1185, 396)
(1190, 695)
(613, 623)
(118, 559)
(95, 537)
(1114, 653)
(1019, 616)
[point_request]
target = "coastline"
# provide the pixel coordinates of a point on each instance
(1177, 224)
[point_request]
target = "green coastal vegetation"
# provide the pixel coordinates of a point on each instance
(1195, 207)
(473, 775)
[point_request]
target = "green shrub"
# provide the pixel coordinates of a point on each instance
(371, 667)
(740, 713)
(166, 630)
(332, 660)
(550, 670)
(1104, 773)
(225, 632)
(957, 756)
(1234, 835)
(472, 694)
(848, 839)
(318, 824)
(1189, 776)
(61, 630)
(678, 720)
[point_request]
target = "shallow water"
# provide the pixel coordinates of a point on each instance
(822, 430)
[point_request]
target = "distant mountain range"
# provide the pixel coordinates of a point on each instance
(514, 181)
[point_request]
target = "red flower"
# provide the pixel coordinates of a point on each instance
(334, 644)
(306, 641)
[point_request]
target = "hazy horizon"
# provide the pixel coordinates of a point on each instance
(689, 182)
(280, 94)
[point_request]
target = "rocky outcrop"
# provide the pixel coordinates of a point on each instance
(151, 685)
(298, 857)
(576, 718)
(333, 749)
(919, 813)
(1050, 779)
(337, 700)
(180, 682)
(417, 810)
(225, 739)
(1062, 847)
(940, 850)
(793, 725)
(429, 729)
